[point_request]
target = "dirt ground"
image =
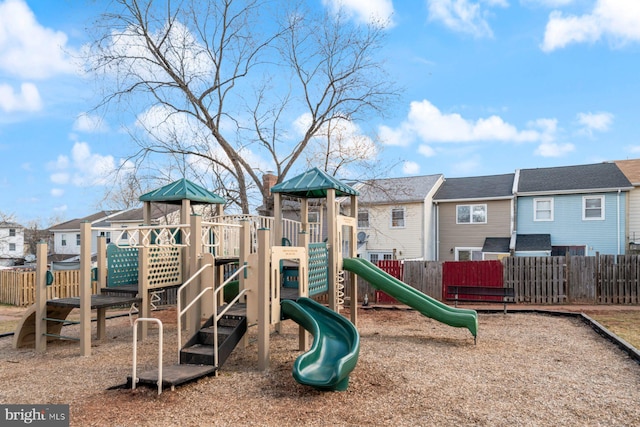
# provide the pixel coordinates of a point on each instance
(526, 369)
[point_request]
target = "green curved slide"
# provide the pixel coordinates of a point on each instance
(430, 307)
(336, 345)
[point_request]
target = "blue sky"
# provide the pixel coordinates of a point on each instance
(490, 86)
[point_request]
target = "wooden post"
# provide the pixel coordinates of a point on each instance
(264, 324)
(333, 246)
(304, 339)
(102, 263)
(192, 290)
(41, 297)
(85, 288)
(354, 253)
(277, 220)
(143, 291)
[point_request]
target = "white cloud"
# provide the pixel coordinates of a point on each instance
(59, 178)
(552, 149)
(464, 16)
(62, 208)
(595, 121)
(378, 12)
(89, 123)
(548, 3)
(179, 47)
(426, 150)
(57, 192)
(410, 168)
(426, 122)
(616, 20)
(348, 142)
(90, 169)
(82, 168)
(28, 99)
(27, 49)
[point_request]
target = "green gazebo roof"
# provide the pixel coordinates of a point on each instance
(180, 190)
(313, 184)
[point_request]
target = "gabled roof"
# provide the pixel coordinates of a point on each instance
(630, 169)
(533, 242)
(313, 184)
(597, 177)
(490, 187)
(137, 215)
(397, 190)
(180, 190)
(74, 224)
(10, 224)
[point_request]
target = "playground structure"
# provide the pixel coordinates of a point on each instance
(194, 256)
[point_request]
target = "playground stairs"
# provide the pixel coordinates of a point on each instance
(197, 355)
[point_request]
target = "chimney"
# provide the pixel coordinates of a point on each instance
(269, 180)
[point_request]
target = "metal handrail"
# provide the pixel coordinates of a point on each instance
(217, 316)
(181, 311)
(135, 350)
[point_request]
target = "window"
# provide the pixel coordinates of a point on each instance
(12, 232)
(78, 239)
(63, 240)
(363, 219)
(469, 254)
(543, 209)
(593, 207)
(374, 257)
(471, 214)
(397, 218)
(107, 234)
(313, 217)
(12, 247)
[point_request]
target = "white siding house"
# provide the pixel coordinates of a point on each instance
(11, 243)
(395, 217)
(66, 236)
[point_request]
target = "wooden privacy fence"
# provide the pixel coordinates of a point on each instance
(19, 287)
(603, 279)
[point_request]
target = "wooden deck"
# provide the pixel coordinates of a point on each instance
(97, 301)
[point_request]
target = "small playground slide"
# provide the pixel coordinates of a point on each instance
(430, 307)
(335, 349)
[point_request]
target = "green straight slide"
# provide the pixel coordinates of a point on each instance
(336, 345)
(430, 307)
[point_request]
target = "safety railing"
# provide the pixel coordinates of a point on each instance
(134, 379)
(147, 235)
(216, 316)
(182, 311)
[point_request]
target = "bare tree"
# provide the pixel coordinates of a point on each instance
(241, 86)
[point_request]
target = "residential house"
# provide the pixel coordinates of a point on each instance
(11, 243)
(395, 217)
(582, 209)
(631, 169)
(160, 214)
(474, 218)
(66, 236)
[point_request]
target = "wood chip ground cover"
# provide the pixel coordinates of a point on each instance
(526, 369)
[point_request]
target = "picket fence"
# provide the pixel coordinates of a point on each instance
(18, 287)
